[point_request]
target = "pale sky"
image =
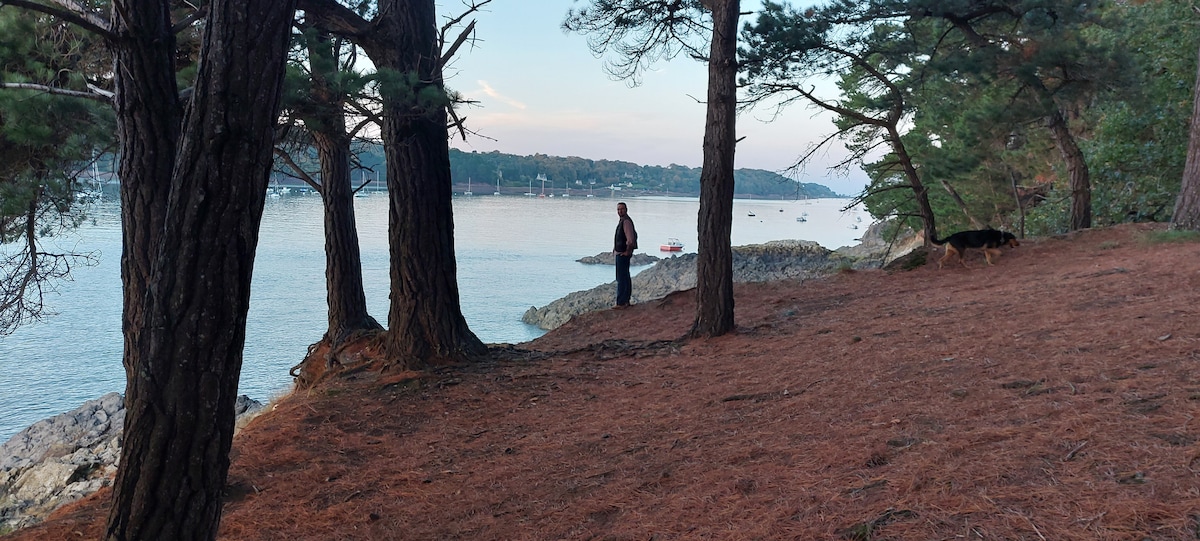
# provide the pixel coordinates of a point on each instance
(542, 91)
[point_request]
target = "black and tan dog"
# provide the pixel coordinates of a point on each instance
(989, 240)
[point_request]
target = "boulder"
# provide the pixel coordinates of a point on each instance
(91, 424)
(882, 244)
(67, 457)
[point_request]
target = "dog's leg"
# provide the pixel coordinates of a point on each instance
(961, 254)
(950, 251)
(988, 253)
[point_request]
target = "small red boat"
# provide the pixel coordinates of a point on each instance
(672, 245)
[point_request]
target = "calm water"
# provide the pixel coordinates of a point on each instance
(513, 253)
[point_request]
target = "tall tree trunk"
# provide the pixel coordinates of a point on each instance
(714, 264)
(1187, 205)
(183, 381)
(346, 301)
(920, 192)
(425, 322)
(1077, 169)
(1020, 205)
(148, 116)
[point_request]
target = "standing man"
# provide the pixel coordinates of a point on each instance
(624, 243)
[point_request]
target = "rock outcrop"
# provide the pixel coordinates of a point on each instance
(777, 260)
(881, 245)
(755, 263)
(607, 258)
(66, 457)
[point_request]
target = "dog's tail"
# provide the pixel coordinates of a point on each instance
(933, 238)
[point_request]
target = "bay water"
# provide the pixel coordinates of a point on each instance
(512, 253)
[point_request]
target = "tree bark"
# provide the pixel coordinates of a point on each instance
(146, 101)
(1077, 169)
(183, 380)
(920, 192)
(345, 298)
(425, 322)
(714, 263)
(1187, 205)
(346, 301)
(1020, 205)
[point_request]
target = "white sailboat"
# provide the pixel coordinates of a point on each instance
(96, 190)
(468, 192)
(362, 192)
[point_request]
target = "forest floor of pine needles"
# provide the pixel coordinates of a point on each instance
(1051, 396)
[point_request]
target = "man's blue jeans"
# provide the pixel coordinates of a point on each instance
(624, 282)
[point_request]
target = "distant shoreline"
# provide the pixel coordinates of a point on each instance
(459, 190)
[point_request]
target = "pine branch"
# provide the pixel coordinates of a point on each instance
(70, 12)
(96, 94)
(335, 18)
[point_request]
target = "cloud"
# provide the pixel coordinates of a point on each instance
(490, 92)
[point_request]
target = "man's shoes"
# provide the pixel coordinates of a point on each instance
(620, 307)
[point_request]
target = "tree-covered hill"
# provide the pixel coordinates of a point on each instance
(517, 174)
(577, 173)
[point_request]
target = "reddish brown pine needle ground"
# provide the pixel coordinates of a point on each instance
(1053, 396)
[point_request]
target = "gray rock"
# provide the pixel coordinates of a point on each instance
(246, 409)
(63, 434)
(66, 457)
(777, 260)
(607, 258)
(755, 263)
(881, 245)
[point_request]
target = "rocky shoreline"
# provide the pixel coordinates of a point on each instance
(777, 260)
(67, 457)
